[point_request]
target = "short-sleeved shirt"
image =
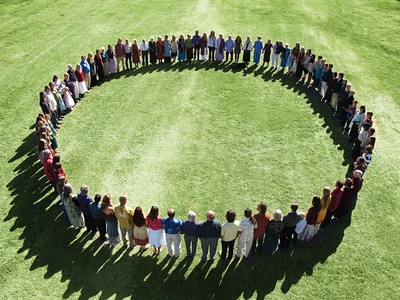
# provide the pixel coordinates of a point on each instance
(171, 226)
(96, 211)
(124, 216)
(262, 223)
(154, 224)
(229, 231)
(247, 229)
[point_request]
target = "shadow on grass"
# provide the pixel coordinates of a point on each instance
(92, 268)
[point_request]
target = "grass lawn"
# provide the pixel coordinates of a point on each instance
(198, 136)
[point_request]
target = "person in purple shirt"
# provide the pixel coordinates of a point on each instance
(229, 44)
(171, 226)
(86, 71)
(196, 44)
(189, 230)
(209, 232)
(84, 200)
(98, 216)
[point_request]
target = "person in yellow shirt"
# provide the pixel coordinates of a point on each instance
(124, 215)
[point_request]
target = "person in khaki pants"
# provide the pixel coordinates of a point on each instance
(120, 54)
(124, 215)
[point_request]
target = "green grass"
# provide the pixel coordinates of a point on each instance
(198, 136)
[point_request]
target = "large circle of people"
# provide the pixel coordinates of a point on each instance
(256, 233)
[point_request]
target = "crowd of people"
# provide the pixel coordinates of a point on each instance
(255, 233)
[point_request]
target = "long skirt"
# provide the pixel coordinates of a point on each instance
(294, 66)
(219, 56)
(267, 57)
(152, 57)
(246, 56)
(307, 234)
(82, 89)
(189, 53)
(181, 55)
(204, 56)
(157, 238)
(141, 235)
(68, 101)
(270, 243)
(111, 66)
(112, 231)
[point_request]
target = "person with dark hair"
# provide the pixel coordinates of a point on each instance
(160, 50)
(120, 54)
(203, 46)
(220, 47)
(93, 70)
(289, 225)
(311, 217)
(196, 43)
(367, 155)
(356, 123)
(140, 230)
(229, 232)
(112, 223)
(337, 85)
(172, 226)
(189, 48)
(336, 195)
(248, 45)
(156, 232)
(262, 219)
(211, 44)
(128, 54)
(359, 165)
(98, 216)
(237, 48)
(267, 52)
(47, 162)
(246, 233)
(84, 200)
(189, 229)
(229, 44)
(209, 232)
(144, 49)
(348, 193)
(363, 135)
(167, 49)
(99, 65)
(325, 80)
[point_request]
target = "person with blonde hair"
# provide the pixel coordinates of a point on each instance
(124, 215)
(325, 201)
(75, 215)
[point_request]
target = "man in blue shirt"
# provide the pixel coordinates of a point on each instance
(98, 216)
(172, 234)
(196, 44)
(209, 232)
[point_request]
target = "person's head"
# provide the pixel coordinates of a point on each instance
(371, 131)
(210, 215)
(191, 216)
(153, 214)
(166, 37)
(248, 38)
(334, 75)
(221, 35)
(341, 75)
(47, 88)
(277, 215)
(78, 67)
(102, 50)
(344, 83)
(326, 191)
(66, 76)
(360, 161)
(362, 108)
(83, 58)
(159, 39)
(67, 190)
(173, 37)
(90, 55)
(212, 33)
(43, 135)
(56, 159)
(230, 216)
(368, 149)
(171, 213)
(262, 207)
(126, 41)
(188, 36)
(119, 40)
(357, 173)
(319, 57)
(42, 145)
(97, 51)
(123, 199)
(84, 190)
(138, 217)
(57, 166)
(339, 184)
(330, 67)
(196, 32)
(106, 201)
(248, 213)
(259, 38)
(348, 183)
(294, 207)
(152, 39)
(372, 142)
(348, 87)
(97, 198)
(204, 35)
(46, 153)
(316, 202)
(370, 114)
(135, 41)
(229, 37)
(109, 47)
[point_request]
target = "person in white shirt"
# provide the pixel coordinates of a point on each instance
(128, 54)
(144, 48)
(247, 46)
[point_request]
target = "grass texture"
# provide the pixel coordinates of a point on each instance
(198, 136)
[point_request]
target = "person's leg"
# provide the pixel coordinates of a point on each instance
(169, 239)
(213, 247)
(231, 246)
(101, 225)
(188, 242)
(123, 235)
(177, 244)
(283, 238)
(248, 247)
(239, 249)
(194, 245)
(253, 247)
(224, 246)
(130, 237)
(204, 248)
(260, 243)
